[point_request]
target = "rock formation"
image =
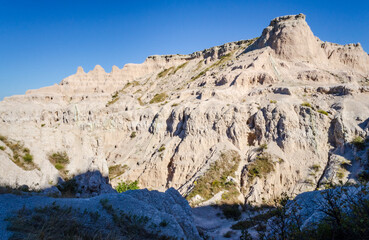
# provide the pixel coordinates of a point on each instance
(286, 105)
(145, 214)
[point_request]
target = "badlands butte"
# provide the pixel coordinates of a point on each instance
(242, 122)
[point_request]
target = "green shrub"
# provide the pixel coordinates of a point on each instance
(21, 155)
(174, 104)
(160, 97)
(125, 186)
(260, 167)
(359, 143)
(59, 160)
(306, 104)
(59, 157)
(28, 158)
(133, 135)
(162, 148)
(59, 166)
(322, 112)
(315, 167)
(2, 148)
(273, 101)
(164, 72)
(340, 174)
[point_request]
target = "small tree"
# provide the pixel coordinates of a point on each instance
(125, 186)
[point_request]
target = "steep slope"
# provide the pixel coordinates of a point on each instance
(280, 111)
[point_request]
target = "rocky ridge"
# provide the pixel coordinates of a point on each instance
(286, 104)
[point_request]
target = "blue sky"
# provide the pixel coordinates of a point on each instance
(42, 42)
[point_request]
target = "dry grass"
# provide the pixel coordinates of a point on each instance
(59, 160)
(21, 155)
(215, 179)
(260, 167)
(306, 104)
(221, 61)
(180, 67)
(165, 72)
(322, 112)
(117, 170)
(160, 97)
(359, 143)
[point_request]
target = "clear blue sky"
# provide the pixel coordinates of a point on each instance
(42, 42)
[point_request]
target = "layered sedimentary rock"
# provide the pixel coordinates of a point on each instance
(287, 104)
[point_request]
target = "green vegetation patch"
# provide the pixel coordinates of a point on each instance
(165, 72)
(160, 97)
(322, 112)
(125, 186)
(221, 61)
(215, 179)
(117, 170)
(140, 101)
(114, 98)
(261, 166)
(306, 104)
(133, 135)
(359, 143)
(315, 167)
(162, 148)
(60, 161)
(21, 155)
(180, 67)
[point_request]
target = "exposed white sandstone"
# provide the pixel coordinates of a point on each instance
(237, 96)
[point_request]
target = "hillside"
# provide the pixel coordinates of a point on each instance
(242, 122)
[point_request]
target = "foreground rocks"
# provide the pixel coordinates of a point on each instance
(139, 214)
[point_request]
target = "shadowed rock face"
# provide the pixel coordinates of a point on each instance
(142, 214)
(288, 105)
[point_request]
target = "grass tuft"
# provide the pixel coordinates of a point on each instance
(125, 186)
(260, 167)
(59, 160)
(322, 112)
(160, 97)
(306, 104)
(215, 179)
(117, 170)
(359, 143)
(21, 155)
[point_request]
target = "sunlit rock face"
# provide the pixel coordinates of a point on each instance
(286, 104)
